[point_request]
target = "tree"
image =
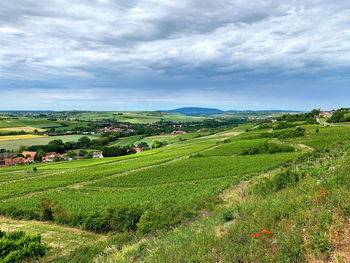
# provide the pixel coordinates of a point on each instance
(315, 112)
(143, 145)
(39, 156)
(82, 153)
(157, 144)
(84, 141)
(71, 154)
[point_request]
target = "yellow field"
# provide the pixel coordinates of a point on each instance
(19, 137)
(26, 129)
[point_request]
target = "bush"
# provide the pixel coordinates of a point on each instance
(17, 247)
(51, 210)
(276, 183)
(165, 215)
(228, 215)
(268, 148)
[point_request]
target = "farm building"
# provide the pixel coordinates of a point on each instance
(138, 150)
(51, 156)
(178, 132)
(326, 114)
(97, 155)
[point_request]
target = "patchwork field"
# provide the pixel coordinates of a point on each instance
(13, 143)
(134, 116)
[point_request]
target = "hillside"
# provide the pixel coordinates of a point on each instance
(195, 111)
(195, 200)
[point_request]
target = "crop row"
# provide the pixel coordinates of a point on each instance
(90, 201)
(199, 168)
(235, 147)
(69, 177)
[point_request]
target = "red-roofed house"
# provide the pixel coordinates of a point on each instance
(29, 155)
(15, 161)
(138, 150)
(178, 132)
(50, 156)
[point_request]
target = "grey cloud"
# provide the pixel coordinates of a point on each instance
(72, 38)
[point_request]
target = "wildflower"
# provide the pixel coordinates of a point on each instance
(252, 235)
(322, 193)
(268, 232)
(315, 199)
(229, 234)
(335, 233)
(256, 234)
(264, 231)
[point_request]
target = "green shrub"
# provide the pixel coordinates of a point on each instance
(267, 148)
(51, 210)
(228, 215)
(17, 247)
(165, 215)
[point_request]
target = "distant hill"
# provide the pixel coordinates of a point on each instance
(198, 111)
(195, 111)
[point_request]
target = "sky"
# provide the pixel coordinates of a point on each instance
(159, 55)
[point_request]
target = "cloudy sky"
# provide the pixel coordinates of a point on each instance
(162, 54)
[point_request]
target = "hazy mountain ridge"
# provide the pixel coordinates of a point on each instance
(199, 111)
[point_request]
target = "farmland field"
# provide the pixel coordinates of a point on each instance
(24, 122)
(14, 142)
(20, 137)
(186, 173)
(134, 116)
(121, 173)
(26, 129)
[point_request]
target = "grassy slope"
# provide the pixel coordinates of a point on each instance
(302, 218)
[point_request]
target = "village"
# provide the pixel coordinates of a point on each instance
(28, 157)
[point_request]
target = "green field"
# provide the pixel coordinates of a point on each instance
(31, 122)
(163, 187)
(134, 116)
(14, 144)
